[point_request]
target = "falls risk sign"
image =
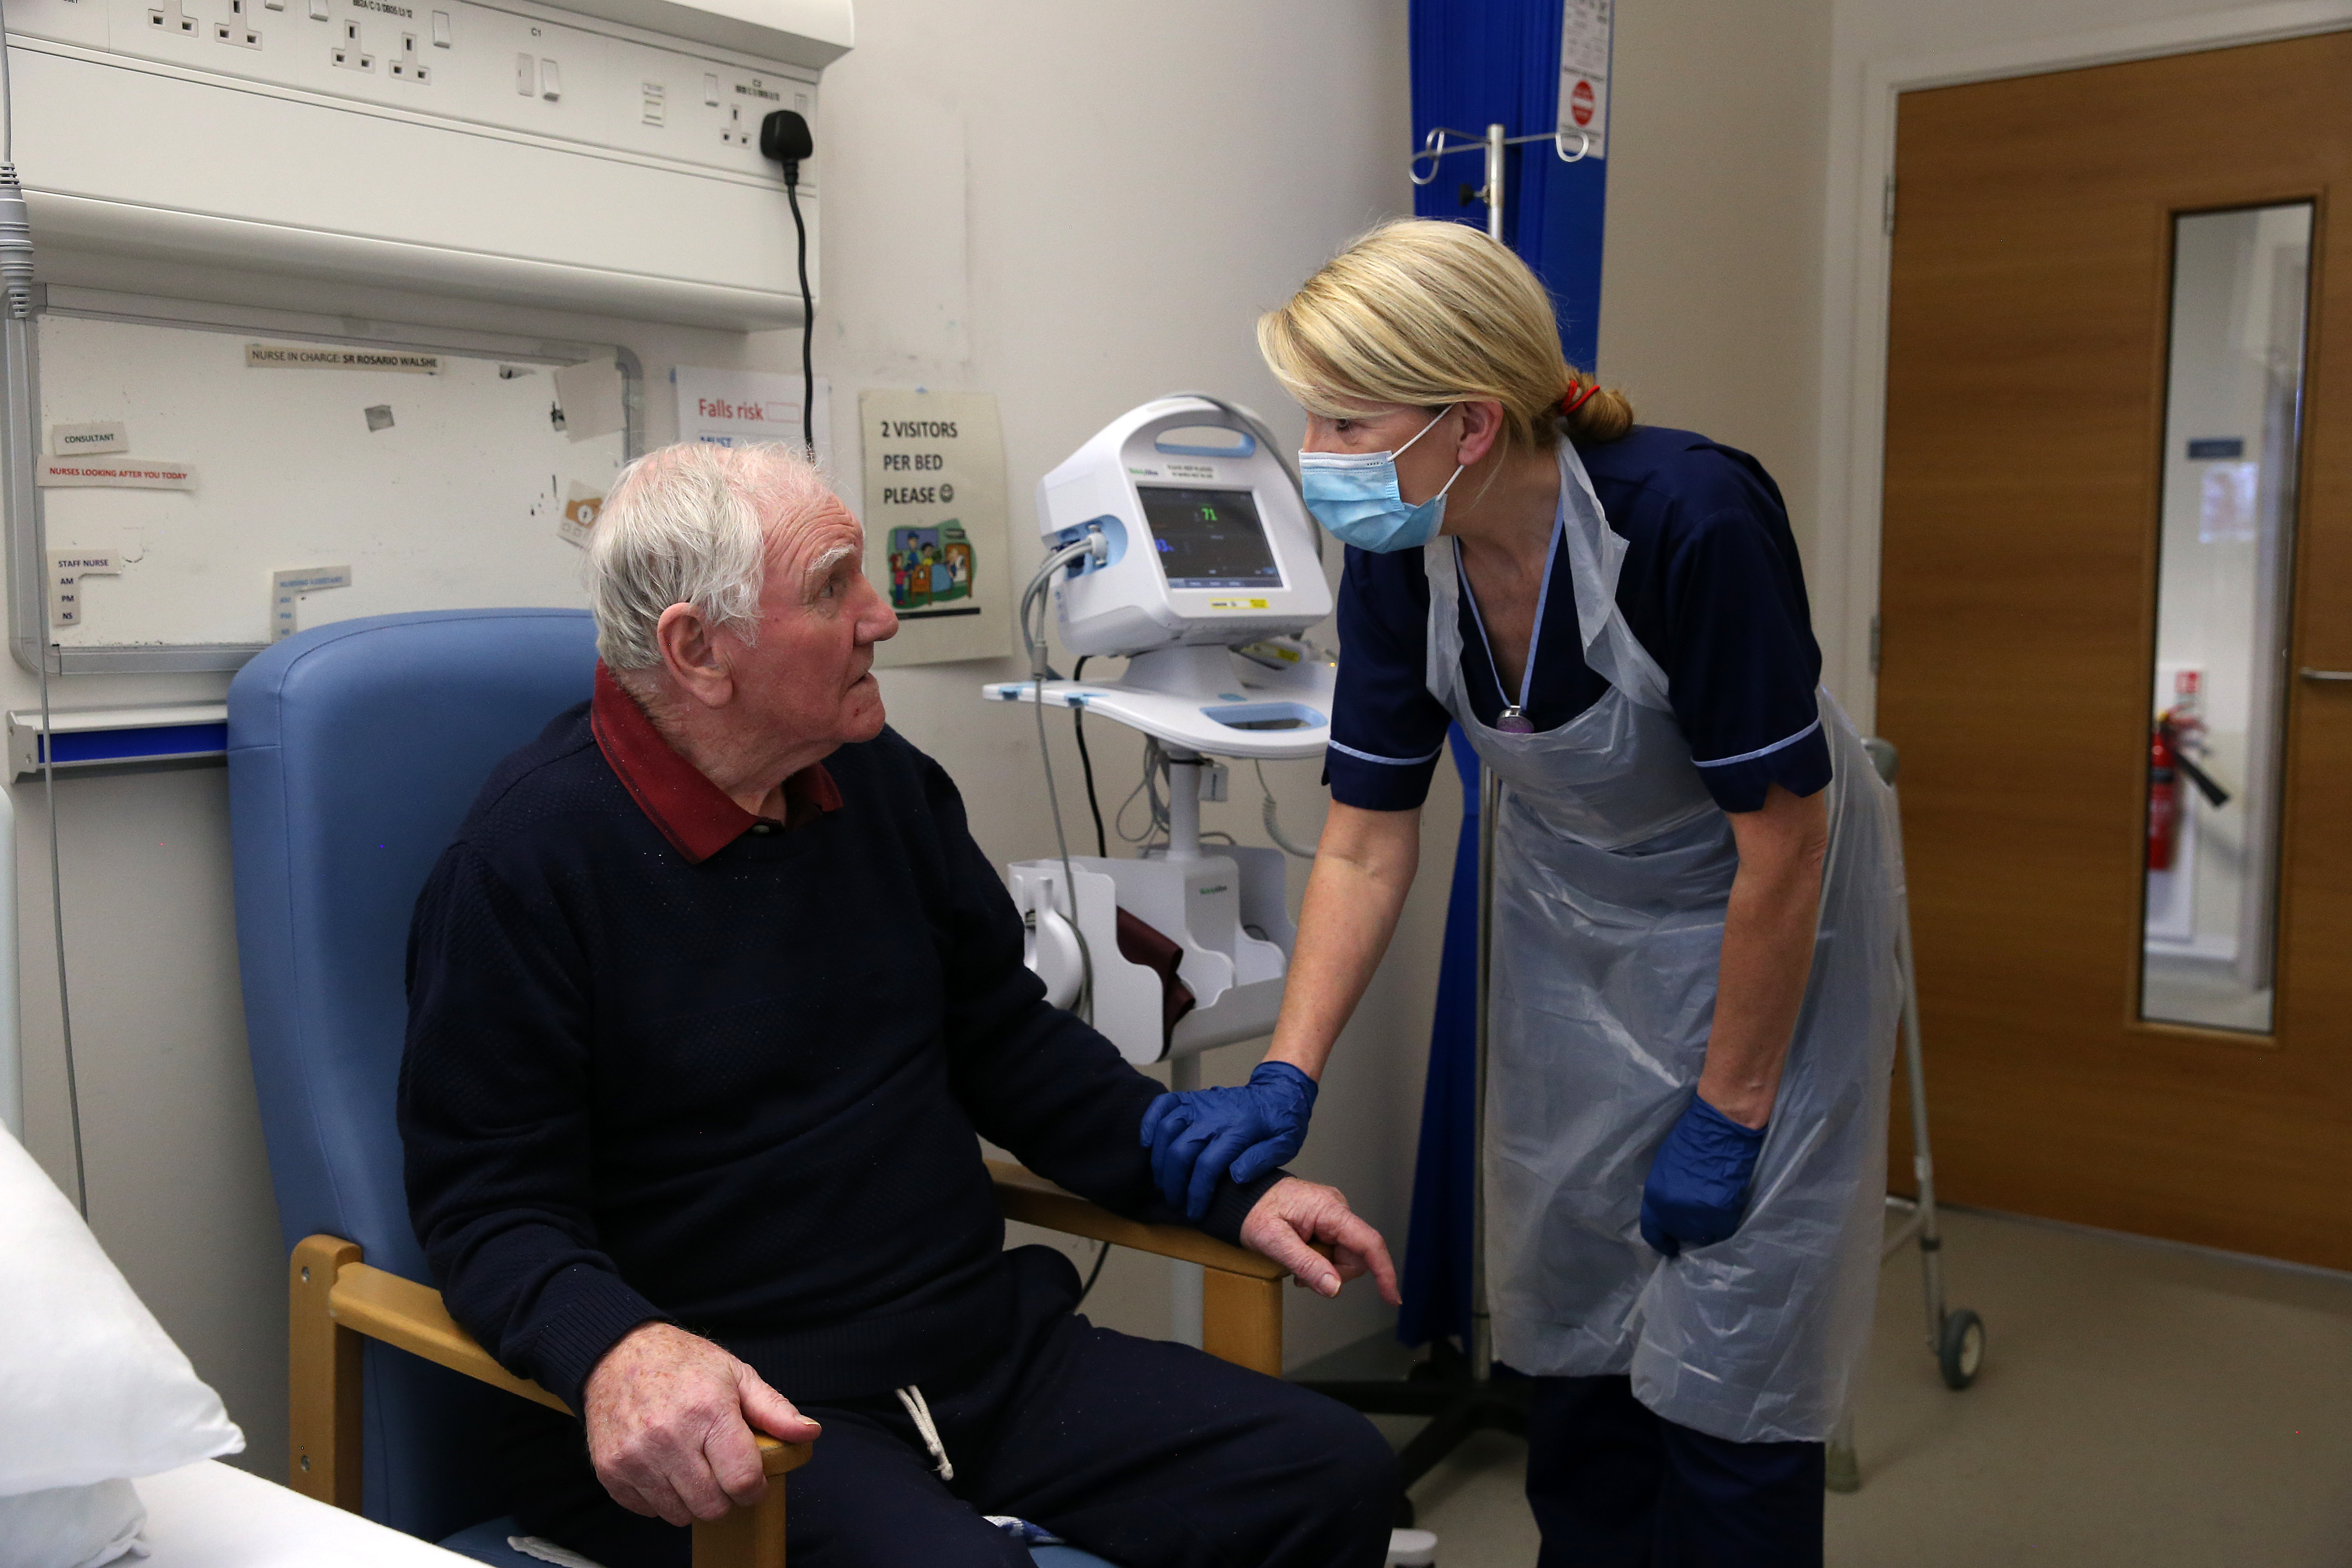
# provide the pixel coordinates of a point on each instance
(935, 523)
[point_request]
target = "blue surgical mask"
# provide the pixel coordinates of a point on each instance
(1354, 496)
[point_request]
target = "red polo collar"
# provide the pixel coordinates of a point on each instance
(693, 813)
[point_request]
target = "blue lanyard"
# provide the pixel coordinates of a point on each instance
(1514, 719)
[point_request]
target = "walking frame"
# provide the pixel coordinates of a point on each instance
(1955, 1336)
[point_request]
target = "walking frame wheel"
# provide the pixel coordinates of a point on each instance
(1960, 1347)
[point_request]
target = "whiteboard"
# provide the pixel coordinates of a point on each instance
(451, 496)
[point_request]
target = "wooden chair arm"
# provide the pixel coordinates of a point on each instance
(410, 1316)
(1240, 1292)
(403, 1313)
(1030, 1198)
(337, 1300)
(1026, 1196)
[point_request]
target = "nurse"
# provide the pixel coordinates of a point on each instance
(1693, 994)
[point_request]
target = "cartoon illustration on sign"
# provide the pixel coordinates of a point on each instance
(930, 565)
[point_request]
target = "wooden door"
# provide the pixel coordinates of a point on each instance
(2026, 417)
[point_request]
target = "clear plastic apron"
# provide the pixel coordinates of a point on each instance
(1612, 869)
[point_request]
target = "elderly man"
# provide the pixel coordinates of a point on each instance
(707, 1003)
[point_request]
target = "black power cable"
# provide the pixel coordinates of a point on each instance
(1087, 760)
(784, 137)
(1096, 1273)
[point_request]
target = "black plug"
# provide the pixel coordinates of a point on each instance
(784, 137)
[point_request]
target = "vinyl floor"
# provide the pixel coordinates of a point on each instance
(2139, 1405)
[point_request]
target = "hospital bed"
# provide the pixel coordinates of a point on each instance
(210, 1515)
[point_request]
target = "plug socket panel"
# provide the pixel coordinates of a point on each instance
(238, 30)
(348, 54)
(408, 68)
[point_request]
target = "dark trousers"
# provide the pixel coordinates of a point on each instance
(1615, 1485)
(1151, 1455)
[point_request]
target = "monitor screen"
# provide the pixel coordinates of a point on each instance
(1210, 539)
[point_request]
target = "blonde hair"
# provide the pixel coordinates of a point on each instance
(689, 524)
(1428, 313)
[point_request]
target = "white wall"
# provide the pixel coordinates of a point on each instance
(1071, 206)
(1710, 306)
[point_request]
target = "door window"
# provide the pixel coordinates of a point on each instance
(2225, 556)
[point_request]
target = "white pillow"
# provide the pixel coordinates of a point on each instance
(71, 1527)
(91, 1389)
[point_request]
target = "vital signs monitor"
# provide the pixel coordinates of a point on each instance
(1208, 543)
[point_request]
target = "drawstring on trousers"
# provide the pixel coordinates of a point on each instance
(920, 1412)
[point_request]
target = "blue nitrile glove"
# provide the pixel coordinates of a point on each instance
(1204, 1134)
(1697, 1189)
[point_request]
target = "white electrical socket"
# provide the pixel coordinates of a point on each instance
(408, 68)
(349, 54)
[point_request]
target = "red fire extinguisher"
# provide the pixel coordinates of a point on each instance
(2163, 795)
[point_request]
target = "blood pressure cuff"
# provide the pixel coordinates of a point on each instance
(1143, 943)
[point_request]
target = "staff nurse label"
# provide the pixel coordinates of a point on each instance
(286, 588)
(67, 567)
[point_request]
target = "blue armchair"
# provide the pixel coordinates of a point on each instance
(353, 754)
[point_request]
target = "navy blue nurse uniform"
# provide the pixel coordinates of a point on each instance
(1712, 586)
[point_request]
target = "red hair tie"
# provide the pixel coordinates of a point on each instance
(1575, 401)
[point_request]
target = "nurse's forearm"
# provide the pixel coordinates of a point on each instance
(1768, 951)
(1364, 866)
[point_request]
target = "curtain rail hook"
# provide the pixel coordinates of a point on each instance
(1559, 146)
(1433, 147)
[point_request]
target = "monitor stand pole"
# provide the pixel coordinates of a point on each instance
(1455, 1388)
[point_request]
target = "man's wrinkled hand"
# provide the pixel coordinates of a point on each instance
(1295, 1216)
(670, 1420)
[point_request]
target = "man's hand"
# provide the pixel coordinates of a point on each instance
(1294, 1215)
(670, 1419)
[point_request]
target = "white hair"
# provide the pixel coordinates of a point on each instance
(689, 524)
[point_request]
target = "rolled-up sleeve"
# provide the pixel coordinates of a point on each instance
(1388, 732)
(1744, 667)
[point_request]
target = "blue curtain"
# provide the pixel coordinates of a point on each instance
(1478, 62)
(1436, 1281)
(1475, 63)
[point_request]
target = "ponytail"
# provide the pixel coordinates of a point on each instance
(1592, 415)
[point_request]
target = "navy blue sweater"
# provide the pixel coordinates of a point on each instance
(740, 1094)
